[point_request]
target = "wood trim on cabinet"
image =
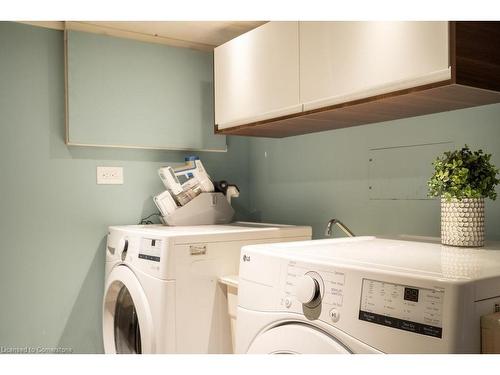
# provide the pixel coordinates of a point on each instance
(478, 54)
(246, 129)
(452, 52)
(390, 107)
(475, 81)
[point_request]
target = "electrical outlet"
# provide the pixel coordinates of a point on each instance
(109, 175)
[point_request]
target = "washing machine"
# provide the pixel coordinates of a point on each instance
(161, 292)
(365, 295)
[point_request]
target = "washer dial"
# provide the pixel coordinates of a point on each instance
(307, 289)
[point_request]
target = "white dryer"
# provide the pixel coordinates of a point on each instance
(365, 295)
(161, 291)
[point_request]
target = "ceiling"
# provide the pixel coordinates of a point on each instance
(213, 33)
(203, 35)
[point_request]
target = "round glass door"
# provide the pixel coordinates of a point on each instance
(126, 327)
(127, 321)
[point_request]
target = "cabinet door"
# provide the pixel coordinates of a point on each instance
(345, 61)
(257, 75)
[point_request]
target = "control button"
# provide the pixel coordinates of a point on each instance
(334, 315)
(288, 302)
(307, 289)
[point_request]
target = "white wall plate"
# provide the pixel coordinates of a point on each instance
(109, 175)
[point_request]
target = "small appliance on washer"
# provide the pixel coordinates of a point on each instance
(365, 295)
(161, 291)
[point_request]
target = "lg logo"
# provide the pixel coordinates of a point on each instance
(246, 258)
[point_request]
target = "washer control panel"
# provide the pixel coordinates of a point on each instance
(309, 288)
(408, 308)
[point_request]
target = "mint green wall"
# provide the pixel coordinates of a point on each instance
(126, 92)
(54, 217)
(311, 178)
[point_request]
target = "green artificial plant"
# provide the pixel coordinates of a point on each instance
(463, 174)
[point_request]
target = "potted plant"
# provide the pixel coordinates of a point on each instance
(463, 178)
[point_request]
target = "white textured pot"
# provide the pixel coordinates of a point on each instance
(462, 222)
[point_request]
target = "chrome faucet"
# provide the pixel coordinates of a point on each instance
(328, 231)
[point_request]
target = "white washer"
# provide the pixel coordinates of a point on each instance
(365, 295)
(161, 291)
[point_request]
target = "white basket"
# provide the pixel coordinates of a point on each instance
(205, 209)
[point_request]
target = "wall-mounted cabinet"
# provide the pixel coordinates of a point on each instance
(345, 61)
(257, 75)
(354, 73)
(131, 94)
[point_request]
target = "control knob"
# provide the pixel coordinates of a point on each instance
(122, 244)
(123, 247)
(307, 289)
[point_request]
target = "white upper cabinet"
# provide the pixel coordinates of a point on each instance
(257, 75)
(346, 61)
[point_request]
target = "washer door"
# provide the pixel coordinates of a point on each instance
(127, 322)
(296, 338)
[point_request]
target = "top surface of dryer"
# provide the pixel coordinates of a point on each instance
(163, 251)
(230, 232)
(417, 258)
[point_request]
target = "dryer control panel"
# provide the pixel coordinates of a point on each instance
(150, 249)
(408, 308)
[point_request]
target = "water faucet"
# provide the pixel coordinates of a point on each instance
(328, 231)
